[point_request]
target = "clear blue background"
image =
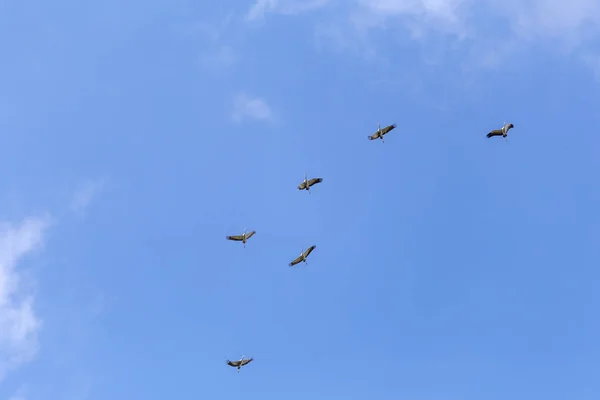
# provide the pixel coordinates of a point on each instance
(448, 266)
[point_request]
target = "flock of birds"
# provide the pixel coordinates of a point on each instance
(307, 184)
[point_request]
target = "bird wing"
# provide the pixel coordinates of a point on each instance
(309, 250)
(387, 129)
(249, 235)
(296, 261)
(233, 363)
(495, 132)
(374, 136)
(247, 361)
(235, 237)
(314, 181)
(302, 185)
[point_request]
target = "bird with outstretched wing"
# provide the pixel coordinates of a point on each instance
(239, 363)
(380, 132)
(309, 183)
(501, 132)
(302, 257)
(241, 238)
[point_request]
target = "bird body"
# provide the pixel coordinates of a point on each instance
(501, 132)
(241, 238)
(307, 183)
(302, 256)
(380, 132)
(239, 363)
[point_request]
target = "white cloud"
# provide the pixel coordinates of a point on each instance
(19, 395)
(592, 61)
(19, 324)
(488, 31)
(286, 7)
(446, 11)
(85, 194)
(248, 107)
(552, 19)
(216, 53)
(533, 19)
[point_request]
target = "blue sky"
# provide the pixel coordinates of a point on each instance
(136, 135)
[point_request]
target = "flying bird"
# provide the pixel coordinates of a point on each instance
(307, 183)
(302, 256)
(241, 238)
(380, 132)
(240, 363)
(501, 132)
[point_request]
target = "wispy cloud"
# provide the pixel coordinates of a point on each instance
(564, 28)
(19, 324)
(593, 62)
(443, 15)
(248, 107)
(217, 54)
(535, 19)
(85, 194)
(214, 31)
(19, 395)
(286, 7)
(224, 57)
(484, 33)
(550, 19)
